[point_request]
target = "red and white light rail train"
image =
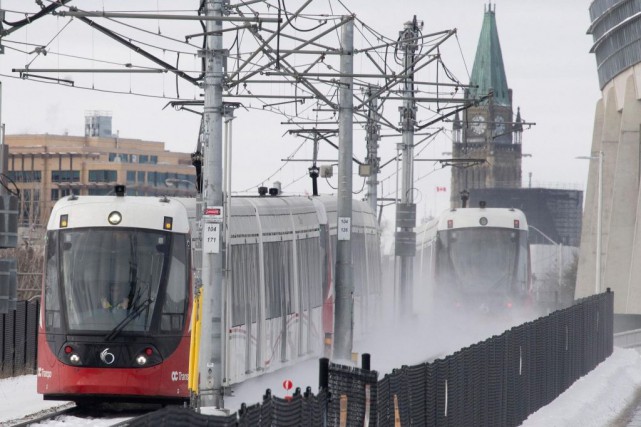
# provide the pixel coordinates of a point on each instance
(118, 291)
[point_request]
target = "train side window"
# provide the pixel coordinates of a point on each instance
(302, 259)
(253, 282)
(244, 283)
(173, 311)
(309, 268)
(522, 264)
(273, 278)
(289, 279)
(238, 268)
(358, 260)
(52, 286)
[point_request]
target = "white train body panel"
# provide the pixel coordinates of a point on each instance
(365, 260)
(277, 240)
(283, 228)
(137, 212)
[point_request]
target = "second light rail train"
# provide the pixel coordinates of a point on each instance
(473, 259)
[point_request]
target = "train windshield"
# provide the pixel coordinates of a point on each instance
(115, 280)
(481, 260)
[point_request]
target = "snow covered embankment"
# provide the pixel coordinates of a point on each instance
(601, 398)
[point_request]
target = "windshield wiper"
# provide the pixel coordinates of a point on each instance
(131, 316)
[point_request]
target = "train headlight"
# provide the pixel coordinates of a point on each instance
(114, 218)
(141, 360)
(483, 221)
(75, 359)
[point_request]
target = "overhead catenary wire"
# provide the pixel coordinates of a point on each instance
(323, 90)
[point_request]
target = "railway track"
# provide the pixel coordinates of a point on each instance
(73, 415)
(47, 414)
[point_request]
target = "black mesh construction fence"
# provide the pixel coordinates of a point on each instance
(19, 340)
(303, 409)
(497, 382)
(356, 391)
(502, 380)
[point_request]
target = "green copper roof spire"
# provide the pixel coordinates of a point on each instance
(488, 71)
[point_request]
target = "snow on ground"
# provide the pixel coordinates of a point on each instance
(601, 398)
(19, 401)
(18, 398)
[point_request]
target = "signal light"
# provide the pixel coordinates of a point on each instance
(168, 223)
(517, 223)
(450, 223)
(149, 351)
(64, 221)
(68, 349)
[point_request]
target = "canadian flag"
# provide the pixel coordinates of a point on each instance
(439, 189)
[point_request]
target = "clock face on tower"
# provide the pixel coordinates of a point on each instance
(478, 125)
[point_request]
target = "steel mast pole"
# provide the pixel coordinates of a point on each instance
(211, 363)
(372, 137)
(406, 213)
(343, 310)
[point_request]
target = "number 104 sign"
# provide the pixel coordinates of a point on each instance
(344, 228)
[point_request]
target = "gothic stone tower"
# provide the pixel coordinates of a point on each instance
(489, 130)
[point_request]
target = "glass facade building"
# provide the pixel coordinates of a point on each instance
(616, 31)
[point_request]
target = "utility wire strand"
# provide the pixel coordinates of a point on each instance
(156, 35)
(39, 51)
(458, 42)
(429, 138)
(84, 58)
(295, 181)
(276, 171)
(145, 95)
(131, 39)
(326, 87)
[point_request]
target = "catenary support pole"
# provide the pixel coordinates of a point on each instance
(210, 364)
(408, 121)
(343, 310)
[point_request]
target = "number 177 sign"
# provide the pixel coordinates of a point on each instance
(344, 228)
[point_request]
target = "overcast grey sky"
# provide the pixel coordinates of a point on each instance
(545, 51)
